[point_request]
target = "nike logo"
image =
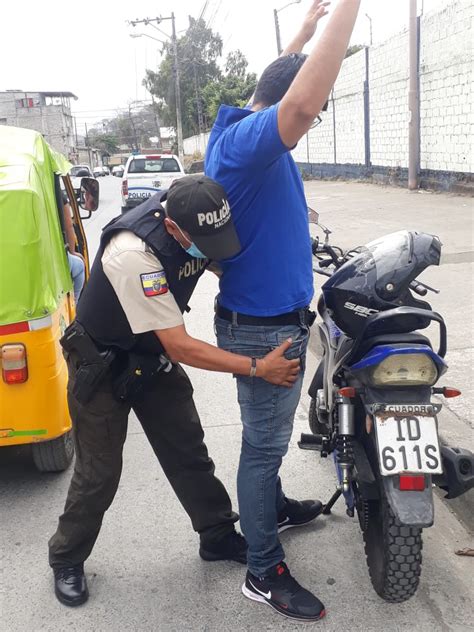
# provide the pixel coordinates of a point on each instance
(267, 595)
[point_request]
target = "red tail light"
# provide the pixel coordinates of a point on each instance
(14, 367)
(412, 482)
(347, 391)
(448, 391)
(125, 187)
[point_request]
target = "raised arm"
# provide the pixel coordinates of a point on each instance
(310, 89)
(308, 28)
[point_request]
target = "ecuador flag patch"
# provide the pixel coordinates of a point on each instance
(154, 283)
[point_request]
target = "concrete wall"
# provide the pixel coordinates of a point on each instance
(446, 84)
(195, 144)
(447, 111)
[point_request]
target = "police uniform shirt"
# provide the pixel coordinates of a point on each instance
(140, 284)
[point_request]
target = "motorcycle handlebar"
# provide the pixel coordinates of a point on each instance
(418, 288)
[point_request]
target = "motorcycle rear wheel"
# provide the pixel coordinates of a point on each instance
(393, 553)
(317, 425)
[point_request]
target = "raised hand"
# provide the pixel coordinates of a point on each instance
(317, 11)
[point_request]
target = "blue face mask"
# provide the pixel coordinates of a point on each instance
(194, 251)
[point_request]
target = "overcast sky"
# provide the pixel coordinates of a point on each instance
(85, 46)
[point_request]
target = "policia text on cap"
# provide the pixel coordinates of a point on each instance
(123, 352)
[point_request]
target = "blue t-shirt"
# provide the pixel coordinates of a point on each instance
(273, 272)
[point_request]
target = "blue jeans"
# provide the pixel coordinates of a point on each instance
(267, 413)
(77, 268)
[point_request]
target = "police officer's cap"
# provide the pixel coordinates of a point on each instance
(199, 206)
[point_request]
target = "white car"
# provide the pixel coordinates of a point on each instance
(100, 171)
(146, 175)
(118, 171)
(77, 173)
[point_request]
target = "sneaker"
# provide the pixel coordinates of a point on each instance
(282, 592)
(232, 546)
(298, 512)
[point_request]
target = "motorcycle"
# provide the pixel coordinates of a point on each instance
(371, 400)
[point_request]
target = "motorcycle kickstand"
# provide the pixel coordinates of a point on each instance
(328, 506)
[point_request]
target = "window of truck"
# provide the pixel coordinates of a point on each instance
(153, 165)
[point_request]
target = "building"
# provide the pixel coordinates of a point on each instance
(45, 112)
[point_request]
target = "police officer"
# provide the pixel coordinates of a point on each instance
(123, 352)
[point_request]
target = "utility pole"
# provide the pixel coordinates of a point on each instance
(179, 124)
(277, 31)
(88, 147)
(174, 48)
(277, 23)
(370, 27)
(414, 101)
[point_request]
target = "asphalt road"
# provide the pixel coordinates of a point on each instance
(145, 573)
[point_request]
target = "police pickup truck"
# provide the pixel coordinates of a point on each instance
(146, 175)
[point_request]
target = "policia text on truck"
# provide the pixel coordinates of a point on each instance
(123, 352)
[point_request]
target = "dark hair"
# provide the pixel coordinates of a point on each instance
(277, 78)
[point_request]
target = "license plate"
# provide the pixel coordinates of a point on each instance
(408, 444)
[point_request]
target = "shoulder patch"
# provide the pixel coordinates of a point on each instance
(154, 283)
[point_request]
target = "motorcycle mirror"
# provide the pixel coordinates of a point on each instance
(313, 216)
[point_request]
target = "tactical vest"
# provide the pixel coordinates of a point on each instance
(99, 310)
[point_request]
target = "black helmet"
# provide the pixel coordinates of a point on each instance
(378, 278)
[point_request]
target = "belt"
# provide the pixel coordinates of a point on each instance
(303, 315)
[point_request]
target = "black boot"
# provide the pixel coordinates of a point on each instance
(232, 546)
(70, 585)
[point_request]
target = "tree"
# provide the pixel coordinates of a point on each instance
(235, 87)
(106, 143)
(198, 51)
(203, 84)
(352, 50)
(133, 128)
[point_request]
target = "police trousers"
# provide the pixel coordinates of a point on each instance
(171, 423)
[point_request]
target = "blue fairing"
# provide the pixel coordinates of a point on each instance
(379, 353)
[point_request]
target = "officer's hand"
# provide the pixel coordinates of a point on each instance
(276, 369)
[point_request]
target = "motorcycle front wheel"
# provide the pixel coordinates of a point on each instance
(393, 553)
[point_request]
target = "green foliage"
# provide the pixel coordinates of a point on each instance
(106, 143)
(204, 86)
(132, 129)
(352, 50)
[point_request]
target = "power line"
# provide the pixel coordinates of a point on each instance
(203, 10)
(211, 20)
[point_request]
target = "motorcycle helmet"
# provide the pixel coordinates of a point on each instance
(377, 279)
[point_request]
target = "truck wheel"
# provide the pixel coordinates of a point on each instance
(55, 455)
(393, 553)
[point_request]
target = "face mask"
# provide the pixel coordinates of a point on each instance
(194, 251)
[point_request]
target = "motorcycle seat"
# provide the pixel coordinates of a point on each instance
(366, 345)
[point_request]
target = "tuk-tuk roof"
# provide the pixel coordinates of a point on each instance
(34, 270)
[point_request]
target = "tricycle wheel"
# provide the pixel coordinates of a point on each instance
(55, 455)
(393, 553)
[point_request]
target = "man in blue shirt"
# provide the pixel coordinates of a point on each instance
(265, 290)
